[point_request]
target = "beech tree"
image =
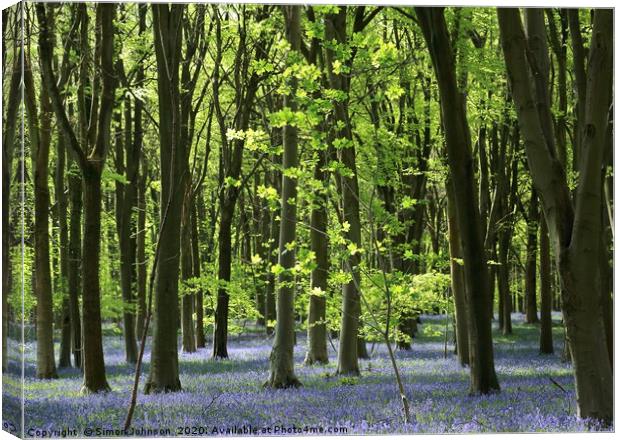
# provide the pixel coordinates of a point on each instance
(574, 228)
(90, 154)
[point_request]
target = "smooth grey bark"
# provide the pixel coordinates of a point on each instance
(281, 365)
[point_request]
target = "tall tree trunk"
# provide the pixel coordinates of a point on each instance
(164, 374)
(198, 297)
(531, 310)
(61, 205)
(458, 280)
(503, 282)
(335, 28)
(127, 164)
(187, 272)
(220, 331)
(40, 139)
(483, 379)
(94, 367)
(8, 149)
(75, 257)
(317, 327)
(282, 365)
(575, 232)
(138, 135)
(546, 334)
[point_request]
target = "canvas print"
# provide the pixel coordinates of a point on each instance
(261, 219)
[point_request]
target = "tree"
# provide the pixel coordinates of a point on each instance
(574, 231)
(39, 129)
(282, 374)
(9, 126)
(164, 374)
(91, 164)
(483, 379)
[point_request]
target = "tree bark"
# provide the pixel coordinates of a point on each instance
(458, 280)
(40, 139)
(282, 366)
(546, 334)
(8, 149)
(483, 379)
(198, 297)
(75, 257)
(335, 28)
(574, 232)
(187, 272)
(127, 164)
(531, 310)
(63, 234)
(164, 374)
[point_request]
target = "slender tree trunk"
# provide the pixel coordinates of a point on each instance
(460, 160)
(74, 269)
(458, 280)
(546, 334)
(127, 163)
(61, 206)
(40, 136)
(317, 328)
(187, 272)
(335, 28)
(220, 331)
(531, 311)
(198, 297)
(164, 374)
(138, 135)
(8, 149)
(282, 366)
(141, 261)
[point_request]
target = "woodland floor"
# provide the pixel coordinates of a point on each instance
(221, 395)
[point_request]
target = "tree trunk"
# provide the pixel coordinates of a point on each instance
(483, 379)
(335, 28)
(75, 257)
(546, 334)
(531, 310)
(187, 263)
(8, 150)
(458, 280)
(164, 374)
(127, 164)
(141, 260)
(138, 135)
(198, 297)
(575, 232)
(40, 137)
(282, 366)
(220, 331)
(94, 367)
(61, 206)
(503, 281)
(317, 328)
